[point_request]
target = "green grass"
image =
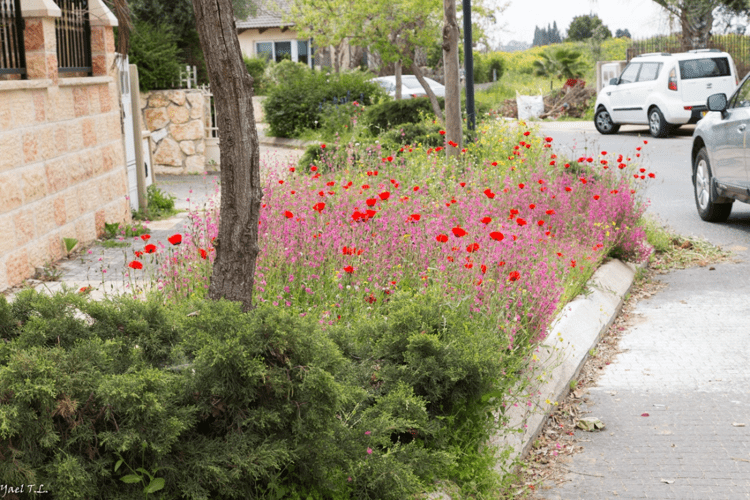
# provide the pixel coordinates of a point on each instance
(114, 244)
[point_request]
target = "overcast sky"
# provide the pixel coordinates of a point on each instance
(642, 18)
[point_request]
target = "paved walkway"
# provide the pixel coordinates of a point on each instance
(687, 366)
(105, 269)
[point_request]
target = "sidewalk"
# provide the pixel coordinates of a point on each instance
(676, 401)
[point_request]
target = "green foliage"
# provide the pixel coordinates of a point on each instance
(70, 244)
(560, 62)
(222, 404)
(387, 114)
(256, 67)
(153, 48)
(422, 132)
(484, 64)
(583, 27)
(160, 205)
(118, 229)
(297, 102)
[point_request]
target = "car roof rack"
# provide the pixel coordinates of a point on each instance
(654, 54)
(695, 51)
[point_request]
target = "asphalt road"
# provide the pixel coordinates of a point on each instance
(671, 194)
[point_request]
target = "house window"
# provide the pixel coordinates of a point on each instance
(291, 50)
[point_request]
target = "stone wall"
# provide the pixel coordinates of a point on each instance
(62, 162)
(177, 120)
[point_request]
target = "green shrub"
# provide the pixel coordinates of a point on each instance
(160, 205)
(222, 404)
(426, 134)
(154, 50)
(296, 104)
(256, 67)
(387, 114)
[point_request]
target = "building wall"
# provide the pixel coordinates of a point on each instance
(62, 165)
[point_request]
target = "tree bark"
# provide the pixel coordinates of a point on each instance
(397, 74)
(453, 130)
(428, 90)
(237, 245)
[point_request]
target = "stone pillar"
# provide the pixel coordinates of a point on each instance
(102, 39)
(39, 39)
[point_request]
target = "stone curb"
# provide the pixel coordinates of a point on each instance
(580, 325)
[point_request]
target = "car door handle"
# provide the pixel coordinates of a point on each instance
(741, 128)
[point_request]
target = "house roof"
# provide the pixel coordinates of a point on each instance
(268, 15)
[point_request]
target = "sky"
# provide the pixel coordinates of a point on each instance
(643, 18)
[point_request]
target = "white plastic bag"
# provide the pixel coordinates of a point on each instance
(529, 106)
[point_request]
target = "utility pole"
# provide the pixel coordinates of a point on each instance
(469, 65)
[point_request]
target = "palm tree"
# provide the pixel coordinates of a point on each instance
(560, 62)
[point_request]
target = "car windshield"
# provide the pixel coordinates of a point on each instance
(411, 82)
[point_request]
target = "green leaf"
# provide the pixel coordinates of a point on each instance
(70, 243)
(155, 485)
(131, 478)
(118, 464)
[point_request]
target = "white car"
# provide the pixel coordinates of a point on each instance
(664, 90)
(410, 86)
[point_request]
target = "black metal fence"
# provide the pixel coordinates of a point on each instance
(73, 33)
(738, 46)
(12, 55)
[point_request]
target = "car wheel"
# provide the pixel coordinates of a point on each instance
(603, 122)
(657, 125)
(705, 199)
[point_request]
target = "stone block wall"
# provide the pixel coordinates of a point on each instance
(62, 162)
(177, 120)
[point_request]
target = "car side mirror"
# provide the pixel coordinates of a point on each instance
(717, 102)
(613, 81)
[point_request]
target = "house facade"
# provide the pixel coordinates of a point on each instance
(62, 164)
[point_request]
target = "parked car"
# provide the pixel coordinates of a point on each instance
(664, 90)
(410, 86)
(721, 171)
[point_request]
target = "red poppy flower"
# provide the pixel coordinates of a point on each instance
(204, 254)
(520, 222)
(501, 263)
(483, 268)
(548, 139)
(414, 217)
(314, 168)
(442, 132)
(572, 263)
(521, 186)
(568, 189)
(135, 265)
(473, 247)
(550, 212)
(371, 202)
(596, 196)
(390, 158)
(462, 184)
(292, 191)
(288, 214)
(175, 239)
(318, 207)
(370, 213)
(494, 164)
(489, 193)
(331, 183)
(85, 289)
(384, 195)
(415, 188)
(370, 299)
(469, 265)
(291, 169)
(486, 220)
(514, 276)
(349, 269)
(439, 148)
(281, 181)
(459, 232)
(138, 254)
(526, 133)
(567, 165)
(540, 223)
(149, 248)
(357, 215)
(652, 175)
(365, 186)
(145, 237)
(450, 259)
(442, 238)
(322, 146)
(497, 236)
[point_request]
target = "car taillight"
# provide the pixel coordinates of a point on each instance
(672, 83)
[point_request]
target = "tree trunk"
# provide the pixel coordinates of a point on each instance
(336, 58)
(237, 244)
(430, 93)
(452, 85)
(696, 19)
(397, 73)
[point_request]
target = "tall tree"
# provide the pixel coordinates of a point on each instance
(622, 34)
(582, 27)
(453, 128)
(324, 21)
(237, 245)
(697, 16)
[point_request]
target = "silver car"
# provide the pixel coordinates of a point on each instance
(721, 170)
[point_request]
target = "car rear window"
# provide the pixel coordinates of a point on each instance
(704, 68)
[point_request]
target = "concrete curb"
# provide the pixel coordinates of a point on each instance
(280, 142)
(580, 325)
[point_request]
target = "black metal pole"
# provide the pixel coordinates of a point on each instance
(469, 66)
